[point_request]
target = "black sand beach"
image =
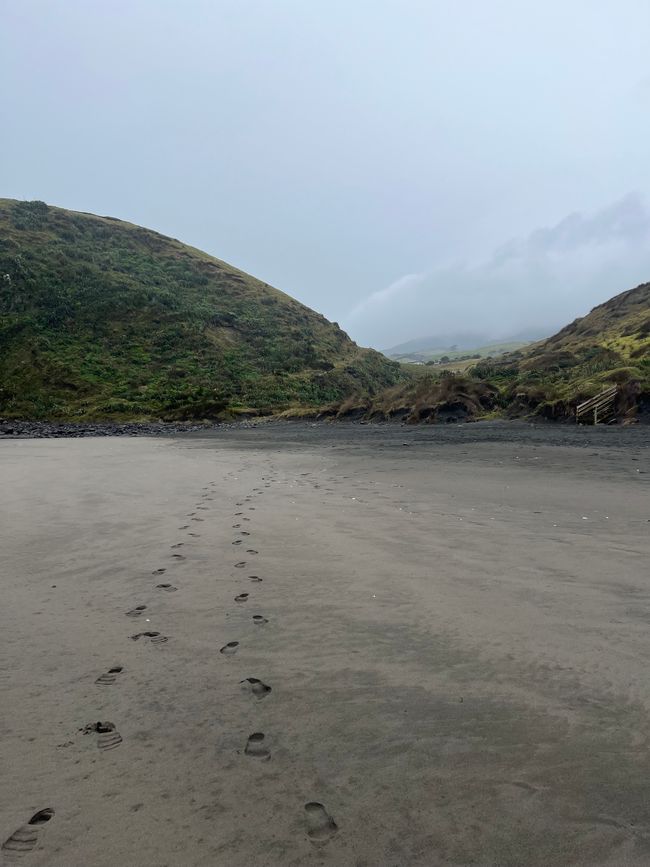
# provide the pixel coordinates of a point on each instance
(446, 654)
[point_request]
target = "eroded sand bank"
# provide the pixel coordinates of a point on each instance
(457, 642)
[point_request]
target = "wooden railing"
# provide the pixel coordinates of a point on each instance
(598, 409)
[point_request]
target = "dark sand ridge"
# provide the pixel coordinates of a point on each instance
(457, 648)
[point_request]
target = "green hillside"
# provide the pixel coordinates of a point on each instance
(611, 345)
(102, 319)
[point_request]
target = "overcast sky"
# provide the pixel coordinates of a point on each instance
(407, 168)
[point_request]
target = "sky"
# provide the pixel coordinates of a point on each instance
(406, 167)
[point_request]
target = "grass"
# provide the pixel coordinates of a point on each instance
(101, 319)
(609, 345)
(466, 357)
(545, 379)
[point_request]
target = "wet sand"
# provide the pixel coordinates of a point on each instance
(455, 630)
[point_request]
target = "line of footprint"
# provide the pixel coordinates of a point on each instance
(321, 827)
(25, 838)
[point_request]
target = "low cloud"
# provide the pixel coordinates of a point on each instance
(533, 284)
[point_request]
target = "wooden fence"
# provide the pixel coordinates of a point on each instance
(598, 409)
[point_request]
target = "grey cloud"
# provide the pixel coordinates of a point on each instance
(330, 146)
(626, 220)
(536, 283)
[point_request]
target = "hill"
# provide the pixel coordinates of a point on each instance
(610, 345)
(102, 319)
(458, 346)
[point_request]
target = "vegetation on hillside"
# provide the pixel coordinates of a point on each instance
(611, 345)
(101, 319)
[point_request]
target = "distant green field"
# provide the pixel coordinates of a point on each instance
(442, 355)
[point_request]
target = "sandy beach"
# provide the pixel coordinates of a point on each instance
(443, 638)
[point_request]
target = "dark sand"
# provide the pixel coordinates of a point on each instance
(457, 645)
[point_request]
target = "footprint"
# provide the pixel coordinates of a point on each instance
(109, 737)
(184, 527)
(169, 588)
(178, 556)
(190, 514)
(259, 620)
(203, 508)
(256, 687)
(237, 514)
(242, 597)
(240, 565)
(194, 534)
(321, 827)
(196, 519)
(25, 838)
(156, 637)
(177, 545)
(236, 526)
(237, 542)
(159, 571)
(109, 677)
(230, 649)
(244, 533)
(251, 551)
(137, 611)
(255, 747)
(256, 578)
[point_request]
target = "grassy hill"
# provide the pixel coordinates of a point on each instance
(101, 319)
(611, 345)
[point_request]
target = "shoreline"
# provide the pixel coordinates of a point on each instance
(563, 433)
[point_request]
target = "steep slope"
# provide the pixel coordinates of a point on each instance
(103, 319)
(611, 345)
